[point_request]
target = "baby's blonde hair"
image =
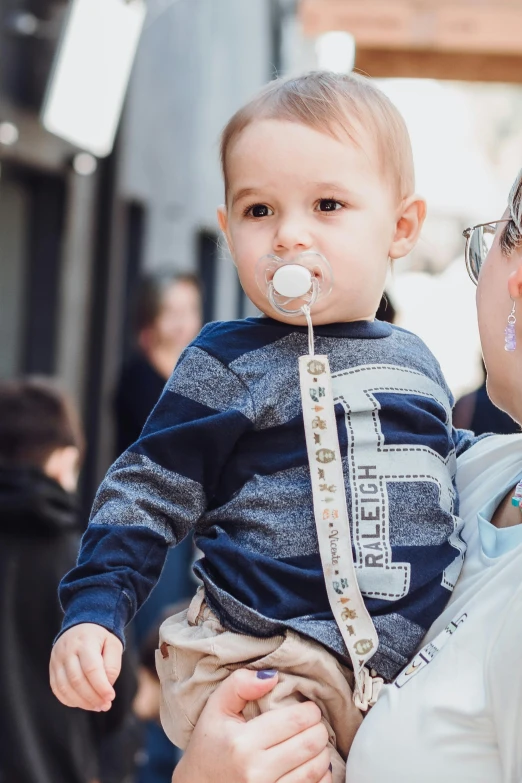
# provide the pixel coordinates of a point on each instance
(339, 105)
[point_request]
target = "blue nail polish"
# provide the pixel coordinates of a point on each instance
(266, 674)
(330, 767)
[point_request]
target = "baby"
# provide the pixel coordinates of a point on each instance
(318, 166)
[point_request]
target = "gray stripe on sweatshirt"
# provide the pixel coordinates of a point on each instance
(138, 492)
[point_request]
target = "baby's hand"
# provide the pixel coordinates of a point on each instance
(85, 662)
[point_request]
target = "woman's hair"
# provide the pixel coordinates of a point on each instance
(341, 105)
(149, 295)
(36, 418)
(512, 234)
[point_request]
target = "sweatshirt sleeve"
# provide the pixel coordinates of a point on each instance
(155, 493)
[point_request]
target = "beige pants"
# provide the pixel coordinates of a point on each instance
(196, 654)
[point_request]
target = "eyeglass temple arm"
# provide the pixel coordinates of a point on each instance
(468, 231)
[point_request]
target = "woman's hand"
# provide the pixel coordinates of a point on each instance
(287, 745)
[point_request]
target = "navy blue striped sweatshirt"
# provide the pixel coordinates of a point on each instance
(224, 454)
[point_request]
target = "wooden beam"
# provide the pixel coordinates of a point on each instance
(439, 65)
(474, 26)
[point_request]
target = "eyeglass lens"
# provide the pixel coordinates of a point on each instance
(480, 244)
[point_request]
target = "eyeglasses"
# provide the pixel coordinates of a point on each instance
(479, 240)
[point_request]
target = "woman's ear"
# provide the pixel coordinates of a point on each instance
(515, 282)
(409, 224)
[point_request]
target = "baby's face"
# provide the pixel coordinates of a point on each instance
(293, 188)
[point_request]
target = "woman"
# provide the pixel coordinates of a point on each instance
(454, 714)
(168, 315)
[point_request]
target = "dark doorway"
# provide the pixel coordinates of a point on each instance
(207, 254)
(29, 32)
(32, 208)
(135, 227)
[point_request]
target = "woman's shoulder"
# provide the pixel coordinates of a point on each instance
(493, 455)
(491, 462)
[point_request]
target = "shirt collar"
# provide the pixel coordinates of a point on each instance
(362, 330)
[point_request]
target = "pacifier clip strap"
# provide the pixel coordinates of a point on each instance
(333, 526)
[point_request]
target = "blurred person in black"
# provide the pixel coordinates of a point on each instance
(41, 445)
(167, 317)
(476, 412)
(41, 449)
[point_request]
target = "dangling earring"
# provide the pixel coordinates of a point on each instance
(509, 332)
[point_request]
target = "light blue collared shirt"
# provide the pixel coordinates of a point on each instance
(498, 541)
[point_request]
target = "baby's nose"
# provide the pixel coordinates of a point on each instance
(292, 235)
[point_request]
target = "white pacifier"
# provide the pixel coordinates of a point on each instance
(305, 278)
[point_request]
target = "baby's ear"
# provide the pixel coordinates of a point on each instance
(515, 282)
(222, 218)
(410, 220)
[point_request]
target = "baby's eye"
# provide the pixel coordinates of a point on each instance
(329, 205)
(258, 211)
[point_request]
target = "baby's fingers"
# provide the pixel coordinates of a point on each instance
(87, 697)
(60, 686)
(112, 654)
(66, 692)
(92, 666)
